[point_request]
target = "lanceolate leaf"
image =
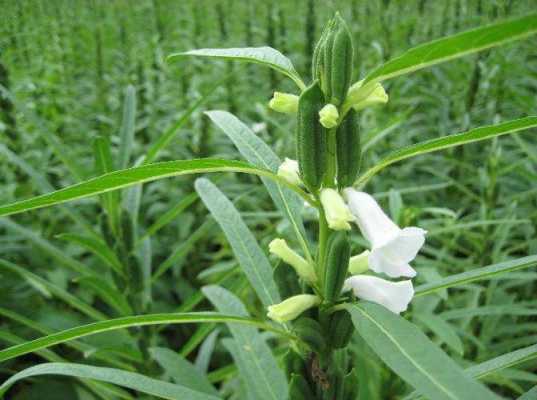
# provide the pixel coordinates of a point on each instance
(477, 274)
(259, 154)
(260, 55)
(251, 258)
(458, 45)
(146, 173)
(127, 322)
(130, 380)
(445, 142)
(412, 356)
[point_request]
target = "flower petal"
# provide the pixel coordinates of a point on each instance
(395, 296)
(379, 263)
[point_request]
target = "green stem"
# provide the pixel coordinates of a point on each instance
(323, 239)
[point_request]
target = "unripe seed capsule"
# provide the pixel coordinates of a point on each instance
(341, 329)
(311, 137)
(310, 332)
(336, 265)
(349, 150)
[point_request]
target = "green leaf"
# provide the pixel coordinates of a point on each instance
(251, 258)
(259, 154)
(128, 322)
(529, 395)
(146, 173)
(126, 135)
(477, 274)
(107, 293)
(97, 247)
(258, 368)
(182, 371)
(443, 330)
(130, 380)
(473, 135)
(458, 45)
(259, 55)
(412, 356)
(104, 164)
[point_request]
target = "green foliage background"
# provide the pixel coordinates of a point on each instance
(64, 69)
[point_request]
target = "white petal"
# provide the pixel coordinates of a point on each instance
(404, 247)
(395, 296)
(374, 224)
(381, 264)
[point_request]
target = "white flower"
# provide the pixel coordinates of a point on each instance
(337, 213)
(288, 170)
(392, 247)
(395, 296)
(328, 116)
(303, 269)
(292, 307)
(284, 102)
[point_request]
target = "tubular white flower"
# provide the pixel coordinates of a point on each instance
(359, 263)
(284, 102)
(395, 296)
(328, 116)
(288, 170)
(392, 247)
(292, 307)
(337, 213)
(304, 269)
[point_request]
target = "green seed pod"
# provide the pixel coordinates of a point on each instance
(293, 363)
(299, 389)
(311, 137)
(310, 332)
(340, 329)
(285, 278)
(349, 150)
(333, 60)
(350, 388)
(336, 265)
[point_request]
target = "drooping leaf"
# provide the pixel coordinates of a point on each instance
(130, 380)
(259, 55)
(412, 356)
(251, 258)
(455, 46)
(445, 142)
(131, 176)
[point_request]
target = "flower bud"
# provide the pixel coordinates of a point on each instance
(284, 102)
(292, 307)
(336, 211)
(361, 96)
(303, 269)
(288, 170)
(359, 263)
(328, 116)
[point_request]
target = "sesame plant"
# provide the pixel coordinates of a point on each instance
(336, 293)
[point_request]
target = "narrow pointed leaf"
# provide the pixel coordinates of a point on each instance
(455, 46)
(130, 380)
(259, 55)
(445, 142)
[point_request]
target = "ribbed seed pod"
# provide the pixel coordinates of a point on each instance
(333, 60)
(311, 137)
(340, 329)
(336, 265)
(349, 150)
(310, 332)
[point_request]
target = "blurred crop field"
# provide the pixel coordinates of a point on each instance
(76, 73)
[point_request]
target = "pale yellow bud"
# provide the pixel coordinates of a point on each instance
(292, 307)
(288, 170)
(328, 116)
(305, 270)
(361, 96)
(336, 211)
(284, 102)
(359, 263)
